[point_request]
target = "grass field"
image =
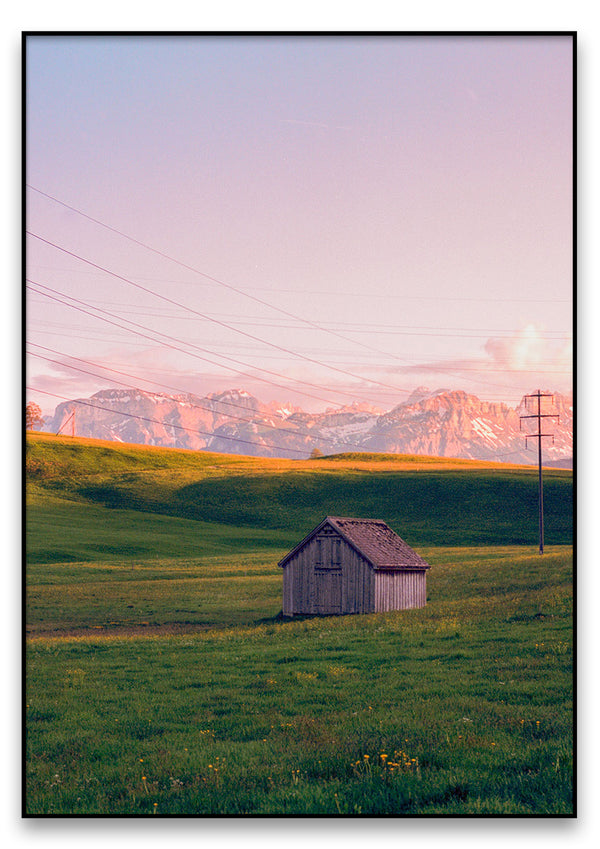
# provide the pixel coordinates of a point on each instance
(162, 680)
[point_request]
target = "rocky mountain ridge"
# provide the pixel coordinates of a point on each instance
(444, 422)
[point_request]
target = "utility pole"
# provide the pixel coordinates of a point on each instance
(63, 426)
(539, 436)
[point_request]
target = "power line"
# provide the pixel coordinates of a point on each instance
(214, 320)
(189, 344)
(71, 418)
(258, 300)
(412, 363)
(197, 271)
(370, 294)
(424, 367)
(351, 326)
(415, 364)
(343, 371)
(291, 431)
(436, 298)
(502, 400)
(539, 436)
(438, 333)
(172, 338)
(189, 353)
(307, 322)
(292, 291)
(157, 421)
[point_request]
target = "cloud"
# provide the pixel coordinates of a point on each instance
(529, 350)
(524, 352)
(507, 368)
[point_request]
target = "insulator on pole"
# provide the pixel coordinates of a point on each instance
(539, 436)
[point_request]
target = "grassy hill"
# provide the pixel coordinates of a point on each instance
(162, 680)
(428, 501)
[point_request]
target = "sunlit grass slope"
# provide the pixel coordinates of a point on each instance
(162, 680)
(463, 707)
(429, 501)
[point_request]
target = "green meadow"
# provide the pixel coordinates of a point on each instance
(162, 680)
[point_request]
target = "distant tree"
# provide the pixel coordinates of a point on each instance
(33, 416)
(315, 454)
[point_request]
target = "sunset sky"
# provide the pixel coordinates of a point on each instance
(317, 219)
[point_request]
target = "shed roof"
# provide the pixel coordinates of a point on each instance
(374, 540)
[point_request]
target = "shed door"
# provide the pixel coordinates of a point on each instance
(328, 574)
(329, 592)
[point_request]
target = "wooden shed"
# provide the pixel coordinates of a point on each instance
(352, 566)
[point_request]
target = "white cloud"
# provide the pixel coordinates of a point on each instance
(529, 350)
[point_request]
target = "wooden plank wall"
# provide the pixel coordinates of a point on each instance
(323, 578)
(400, 590)
(301, 580)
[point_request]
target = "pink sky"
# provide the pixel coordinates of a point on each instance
(317, 219)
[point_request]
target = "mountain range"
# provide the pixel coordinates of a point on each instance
(445, 423)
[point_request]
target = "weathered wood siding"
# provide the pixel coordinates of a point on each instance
(364, 567)
(400, 590)
(327, 576)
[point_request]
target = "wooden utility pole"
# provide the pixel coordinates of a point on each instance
(63, 426)
(539, 436)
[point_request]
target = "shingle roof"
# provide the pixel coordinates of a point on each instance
(375, 540)
(378, 543)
